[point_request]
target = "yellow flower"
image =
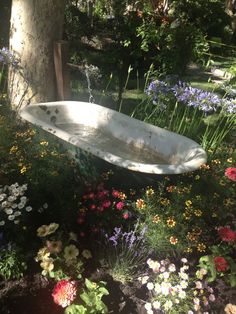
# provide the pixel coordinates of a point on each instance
(71, 252)
(197, 231)
(198, 212)
(54, 246)
(187, 215)
(216, 162)
(122, 196)
(197, 177)
(23, 169)
(14, 149)
(86, 254)
(189, 250)
(43, 154)
(188, 203)
(173, 240)
(201, 247)
(192, 236)
(149, 191)
(47, 264)
(229, 202)
(205, 167)
(52, 227)
(230, 160)
(164, 201)
(140, 204)
(44, 143)
(42, 254)
(156, 219)
(42, 231)
(171, 222)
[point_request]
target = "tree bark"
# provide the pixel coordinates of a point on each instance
(35, 25)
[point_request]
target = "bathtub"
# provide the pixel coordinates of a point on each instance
(116, 137)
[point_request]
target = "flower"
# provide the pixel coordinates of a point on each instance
(227, 234)
(140, 204)
(54, 246)
(168, 305)
(71, 252)
(47, 264)
(230, 173)
(201, 247)
(52, 227)
(120, 205)
(86, 254)
(173, 240)
(64, 293)
(230, 309)
(221, 264)
(150, 286)
(156, 305)
(156, 219)
(171, 222)
(42, 231)
(126, 215)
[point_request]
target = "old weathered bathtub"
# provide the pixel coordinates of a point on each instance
(116, 137)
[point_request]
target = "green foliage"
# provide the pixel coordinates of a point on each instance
(12, 263)
(92, 299)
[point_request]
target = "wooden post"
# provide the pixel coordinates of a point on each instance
(61, 53)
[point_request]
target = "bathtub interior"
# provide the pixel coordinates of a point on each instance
(172, 150)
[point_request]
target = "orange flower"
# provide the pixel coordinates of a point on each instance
(156, 219)
(140, 203)
(64, 293)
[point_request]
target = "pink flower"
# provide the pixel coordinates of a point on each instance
(115, 193)
(227, 234)
(126, 215)
(120, 205)
(221, 264)
(230, 173)
(64, 293)
(106, 204)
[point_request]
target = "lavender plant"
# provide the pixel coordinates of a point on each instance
(125, 253)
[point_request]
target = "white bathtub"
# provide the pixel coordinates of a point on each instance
(117, 138)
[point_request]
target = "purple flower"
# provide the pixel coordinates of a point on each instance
(7, 57)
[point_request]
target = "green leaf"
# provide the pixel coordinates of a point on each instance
(90, 285)
(212, 119)
(75, 309)
(103, 290)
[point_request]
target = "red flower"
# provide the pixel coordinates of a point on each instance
(106, 204)
(120, 205)
(227, 234)
(230, 173)
(220, 263)
(125, 215)
(64, 293)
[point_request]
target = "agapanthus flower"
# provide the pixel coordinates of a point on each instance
(230, 173)
(64, 293)
(227, 234)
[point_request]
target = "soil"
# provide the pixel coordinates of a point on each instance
(32, 294)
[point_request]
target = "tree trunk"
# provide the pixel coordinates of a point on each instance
(35, 25)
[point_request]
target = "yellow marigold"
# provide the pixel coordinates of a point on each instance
(164, 201)
(201, 247)
(156, 219)
(140, 204)
(23, 169)
(198, 212)
(173, 240)
(122, 196)
(230, 160)
(187, 215)
(170, 188)
(171, 222)
(149, 191)
(229, 202)
(14, 149)
(43, 143)
(192, 236)
(188, 203)
(216, 161)
(189, 250)
(43, 154)
(197, 231)
(205, 167)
